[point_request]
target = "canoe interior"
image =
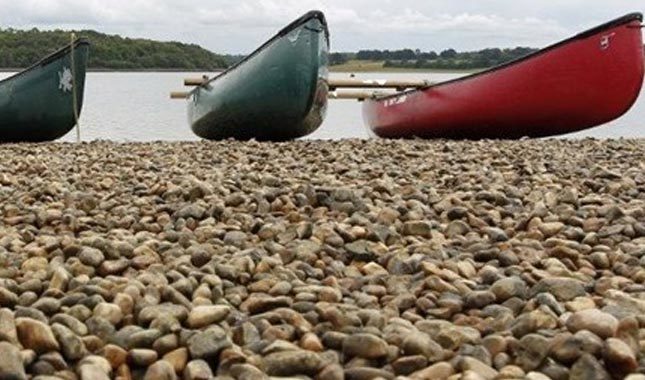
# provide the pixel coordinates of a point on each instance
(37, 104)
(582, 82)
(277, 93)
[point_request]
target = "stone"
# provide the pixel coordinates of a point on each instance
(472, 364)
(148, 314)
(533, 350)
(422, 344)
(366, 346)
(409, 364)
(177, 358)
(99, 362)
(289, 363)
(331, 372)
(536, 376)
(367, 373)
(8, 330)
(161, 370)
(110, 312)
(197, 370)
(508, 288)
(564, 289)
(417, 228)
(142, 357)
(91, 372)
(202, 316)
(600, 323)
(166, 344)
(91, 257)
(479, 299)
(209, 343)
(36, 335)
(439, 371)
(7, 298)
(71, 345)
(619, 358)
(311, 342)
(588, 368)
(11, 364)
(115, 355)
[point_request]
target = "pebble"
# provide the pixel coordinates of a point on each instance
(161, 370)
(602, 324)
(202, 316)
(289, 363)
(36, 335)
(619, 357)
(11, 365)
(197, 370)
(364, 346)
(142, 357)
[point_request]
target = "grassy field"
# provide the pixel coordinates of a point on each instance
(356, 66)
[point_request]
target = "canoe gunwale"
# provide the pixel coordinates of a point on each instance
(286, 30)
(47, 59)
(631, 17)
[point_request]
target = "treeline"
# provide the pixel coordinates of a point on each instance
(447, 59)
(22, 48)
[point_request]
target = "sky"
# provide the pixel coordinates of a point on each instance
(239, 26)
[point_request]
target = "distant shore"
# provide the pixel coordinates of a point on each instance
(97, 70)
(345, 68)
(378, 66)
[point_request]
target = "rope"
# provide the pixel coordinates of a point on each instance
(75, 99)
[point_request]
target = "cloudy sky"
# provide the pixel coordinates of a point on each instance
(238, 26)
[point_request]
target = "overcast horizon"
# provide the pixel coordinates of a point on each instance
(238, 27)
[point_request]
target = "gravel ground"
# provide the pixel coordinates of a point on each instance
(357, 259)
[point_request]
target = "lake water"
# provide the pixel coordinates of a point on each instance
(136, 107)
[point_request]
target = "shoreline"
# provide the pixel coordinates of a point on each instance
(332, 69)
(407, 259)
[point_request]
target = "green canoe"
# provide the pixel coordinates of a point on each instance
(37, 103)
(277, 93)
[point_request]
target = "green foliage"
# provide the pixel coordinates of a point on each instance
(446, 60)
(22, 48)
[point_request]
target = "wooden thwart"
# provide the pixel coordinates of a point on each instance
(179, 95)
(196, 81)
(345, 83)
(371, 83)
(348, 94)
(358, 95)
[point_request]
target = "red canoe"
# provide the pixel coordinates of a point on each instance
(582, 82)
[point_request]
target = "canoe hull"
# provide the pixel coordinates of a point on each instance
(580, 83)
(278, 93)
(37, 104)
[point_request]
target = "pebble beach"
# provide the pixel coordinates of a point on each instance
(327, 260)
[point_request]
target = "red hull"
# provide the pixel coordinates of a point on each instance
(580, 83)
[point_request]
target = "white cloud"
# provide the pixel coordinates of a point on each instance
(237, 26)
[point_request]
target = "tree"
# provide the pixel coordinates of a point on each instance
(448, 54)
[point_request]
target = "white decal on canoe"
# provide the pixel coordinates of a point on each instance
(293, 37)
(605, 41)
(65, 80)
(394, 101)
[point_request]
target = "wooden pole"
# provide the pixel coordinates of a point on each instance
(196, 81)
(179, 95)
(358, 95)
(371, 83)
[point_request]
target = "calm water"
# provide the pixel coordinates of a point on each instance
(136, 107)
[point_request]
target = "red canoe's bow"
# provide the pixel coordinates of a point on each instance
(579, 83)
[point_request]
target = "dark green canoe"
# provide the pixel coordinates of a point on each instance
(37, 103)
(277, 93)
